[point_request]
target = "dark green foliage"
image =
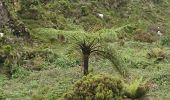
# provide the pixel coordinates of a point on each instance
(19, 72)
(30, 9)
(91, 23)
(7, 49)
(5, 53)
(165, 41)
(6, 60)
(34, 59)
(96, 87)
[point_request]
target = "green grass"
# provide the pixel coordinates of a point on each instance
(54, 79)
(57, 76)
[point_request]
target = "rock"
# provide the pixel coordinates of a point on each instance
(100, 15)
(1, 34)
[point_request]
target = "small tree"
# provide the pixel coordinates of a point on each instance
(91, 44)
(87, 48)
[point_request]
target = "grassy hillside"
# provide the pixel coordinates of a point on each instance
(69, 15)
(46, 66)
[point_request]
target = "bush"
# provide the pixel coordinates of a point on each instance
(29, 9)
(96, 87)
(144, 37)
(19, 72)
(7, 49)
(157, 53)
(91, 23)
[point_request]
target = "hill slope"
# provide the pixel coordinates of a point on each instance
(45, 66)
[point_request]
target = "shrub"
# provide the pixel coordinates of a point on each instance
(65, 62)
(96, 87)
(91, 23)
(34, 64)
(136, 89)
(35, 59)
(7, 49)
(29, 9)
(6, 59)
(144, 37)
(19, 72)
(157, 53)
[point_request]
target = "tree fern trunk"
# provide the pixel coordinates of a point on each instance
(85, 64)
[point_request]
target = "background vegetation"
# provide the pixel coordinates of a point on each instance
(49, 64)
